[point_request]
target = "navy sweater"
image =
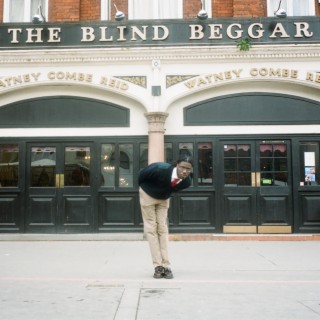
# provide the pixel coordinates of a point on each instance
(155, 180)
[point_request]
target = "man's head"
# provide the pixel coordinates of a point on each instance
(184, 167)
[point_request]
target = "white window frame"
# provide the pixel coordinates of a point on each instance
(105, 9)
(287, 5)
(207, 5)
(27, 14)
(155, 14)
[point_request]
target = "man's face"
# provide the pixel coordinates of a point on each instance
(183, 169)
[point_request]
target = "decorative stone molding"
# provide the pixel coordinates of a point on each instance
(156, 121)
(172, 80)
(209, 54)
(137, 80)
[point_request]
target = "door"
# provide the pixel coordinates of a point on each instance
(257, 191)
(59, 183)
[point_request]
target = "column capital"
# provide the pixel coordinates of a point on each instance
(156, 121)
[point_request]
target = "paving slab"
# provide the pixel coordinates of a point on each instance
(227, 280)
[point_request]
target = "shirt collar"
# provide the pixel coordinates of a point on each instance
(174, 174)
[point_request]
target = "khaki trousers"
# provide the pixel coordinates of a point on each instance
(154, 214)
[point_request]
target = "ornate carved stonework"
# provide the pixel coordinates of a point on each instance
(172, 80)
(156, 121)
(137, 80)
(189, 54)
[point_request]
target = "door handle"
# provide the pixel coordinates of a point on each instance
(59, 180)
(255, 179)
(258, 179)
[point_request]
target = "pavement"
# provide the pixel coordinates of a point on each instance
(61, 278)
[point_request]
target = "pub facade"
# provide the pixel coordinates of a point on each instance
(87, 103)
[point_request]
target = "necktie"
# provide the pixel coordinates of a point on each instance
(174, 182)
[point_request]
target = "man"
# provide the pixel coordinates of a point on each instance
(157, 183)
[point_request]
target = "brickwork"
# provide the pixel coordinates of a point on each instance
(222, 8)
(90, 9)
(191, 9)
(64, 10)
(249, 8)
(1, 10)
(317, 8)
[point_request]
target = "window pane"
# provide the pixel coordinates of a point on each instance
(281, 179)
(230, 150)
(77, 166)
(35, 8)
(237, 158)
(43, 166)
(16, 11)
(230, 179)
(186, 150)
(107, 165)
(168, 154)
(230, 165)
(292, 7)
(280, 150)
(126, 166)
(309, 164)
(244, 179)
(205, 164)
(143, 160)
(155, 9)
(273, 164)
(244, 150)
(9, 165)
(266, 150)
(244, 164)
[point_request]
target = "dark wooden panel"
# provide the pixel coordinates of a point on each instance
(42, 210)
(310, 210)
(116, 210)
(9, 207)
(77, 210)
(195, 209)
(238, 209)
(274, 209)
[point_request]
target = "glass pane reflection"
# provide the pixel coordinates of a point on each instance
(9, 165)
(107, 165)
(126, 166)
(43, 166)
(77, 166)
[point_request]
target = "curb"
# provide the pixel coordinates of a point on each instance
(172, 237)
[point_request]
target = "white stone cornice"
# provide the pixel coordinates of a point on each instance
(171, 54)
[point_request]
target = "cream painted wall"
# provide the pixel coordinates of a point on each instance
(98, 71)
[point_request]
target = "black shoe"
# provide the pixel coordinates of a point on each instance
(167, 273)
(158, 272)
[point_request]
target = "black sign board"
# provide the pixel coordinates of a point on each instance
(159, 33)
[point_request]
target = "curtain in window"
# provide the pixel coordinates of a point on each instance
(292, 7)
(16, 11)
(35, 6)
(155, 9)
(168, 9)
(300, 8)
(142, 9)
